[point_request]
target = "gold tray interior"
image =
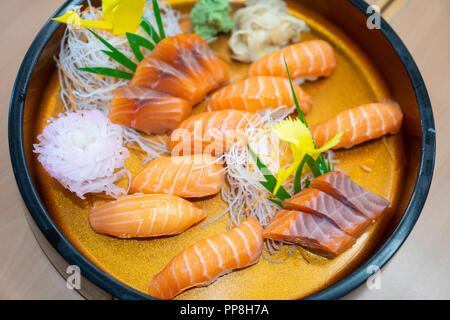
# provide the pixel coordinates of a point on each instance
(134, 262)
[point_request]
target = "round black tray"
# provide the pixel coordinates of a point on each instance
(117, 289)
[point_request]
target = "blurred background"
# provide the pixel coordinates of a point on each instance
(419, 269)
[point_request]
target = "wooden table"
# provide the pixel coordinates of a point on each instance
(418, 270)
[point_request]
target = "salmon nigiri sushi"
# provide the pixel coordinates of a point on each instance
(145, 215)
(341, 187)
(258, 93)
(182, 66)
(211, 132)
(147, 110)
(199, 175)
(361, 124)
(314, 233)
(317, 202)
(305, 60)
(203, 262)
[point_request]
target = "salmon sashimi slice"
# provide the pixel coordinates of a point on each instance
(191, 54)
(147, 110)
(203, 262)
(159, 76)
(305, 60)
(258, 93)
(317, 202)
(211, 132)
(361, 124)
(340, 186)
(314, 233)
(186, 176)
(145, 215)
(182, 66)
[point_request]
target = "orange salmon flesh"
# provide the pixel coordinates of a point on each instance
(208, 259)
(211, 132)
(310, 231)
(361, 124)
(307, 59)
(321, 204)
(259, 93)
(149, 215)
(341, 187)
(199, 175)
(147, 110)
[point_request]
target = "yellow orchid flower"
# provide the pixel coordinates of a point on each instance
(301, 142)
(119, 17)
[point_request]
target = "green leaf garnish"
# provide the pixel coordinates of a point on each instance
(275, 201)
(324, 165)
(315, 169)
(313, 165)
(271, 181)
(298, 176)
(307, 182)
(116, 54)
(136, 42)
(147, 26)
(109, 72)
(297, 106)
(158, 19)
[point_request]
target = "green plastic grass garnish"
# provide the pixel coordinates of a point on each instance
(271, 181)
(136, 42)
(109, 72)
(116, 54)
(297, 105)
(148, 28)
(158, 19)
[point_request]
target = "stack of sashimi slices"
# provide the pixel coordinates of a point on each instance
(327, 217)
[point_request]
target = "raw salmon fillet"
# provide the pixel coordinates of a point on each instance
(314, 233)
(258, 93)
(147, 110)
(148, 215)
(203, 262)
(182, 66)
(341, 187)
(307, 59)
(199, 175)
(361, 124)
(319, 203)
(190, 53)
(211, 132)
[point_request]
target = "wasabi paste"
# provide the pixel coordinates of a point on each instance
(210, 17)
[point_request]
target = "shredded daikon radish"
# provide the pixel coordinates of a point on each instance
(277, 245)
(154, 147)
(262, 27)
(80, 49)
(83, 150)
(243, 191)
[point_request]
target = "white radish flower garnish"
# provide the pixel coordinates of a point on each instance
(84, 151)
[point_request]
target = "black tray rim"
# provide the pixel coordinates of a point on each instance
(122, 291)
